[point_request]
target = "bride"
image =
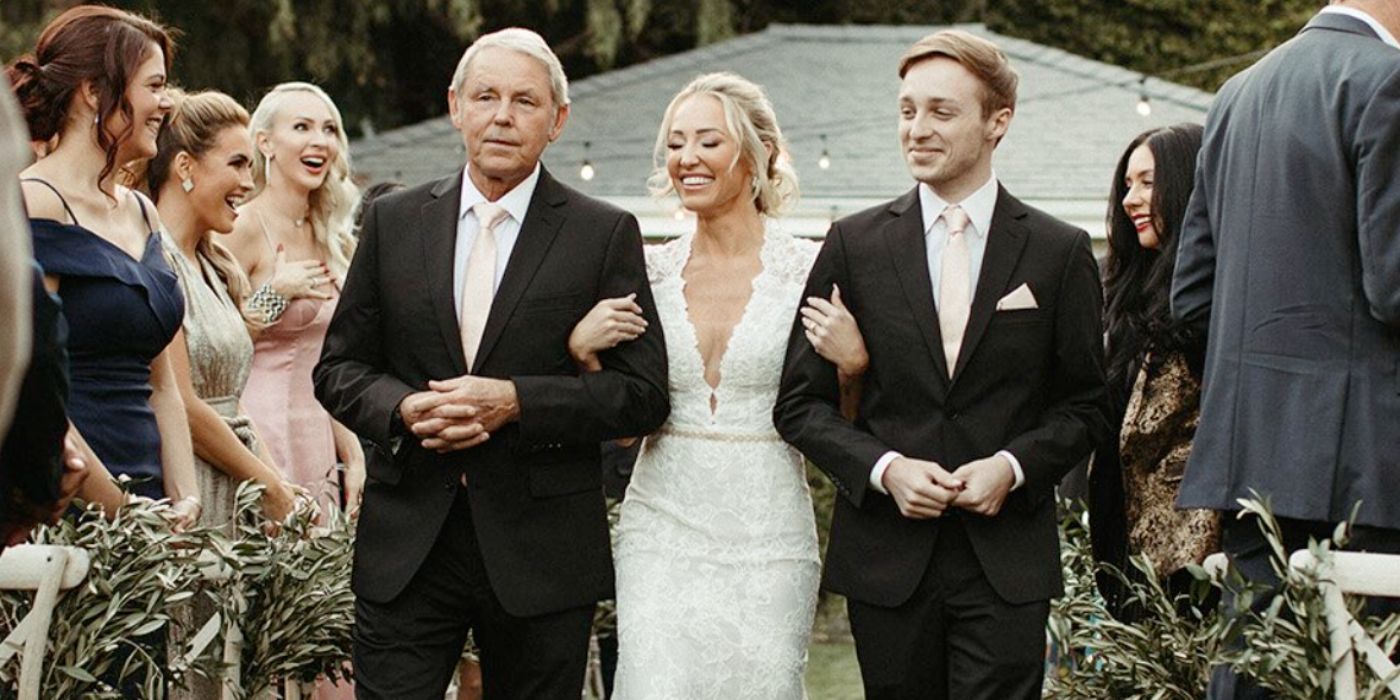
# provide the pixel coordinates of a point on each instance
(717, 564)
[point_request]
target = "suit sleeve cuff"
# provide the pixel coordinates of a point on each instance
(877, 475)
(1015, 468)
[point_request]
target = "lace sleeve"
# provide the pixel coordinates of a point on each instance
(663, 259)
(794, 258)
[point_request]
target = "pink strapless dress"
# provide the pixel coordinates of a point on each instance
(281, 402)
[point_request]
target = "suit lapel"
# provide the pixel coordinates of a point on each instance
(904, 239)
(439, 237)
(1005, 241)
(537, 233)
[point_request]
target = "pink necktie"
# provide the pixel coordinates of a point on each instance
(480, 286)
(954, 285)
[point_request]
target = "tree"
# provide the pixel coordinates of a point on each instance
(1157, 37)
(388, 62)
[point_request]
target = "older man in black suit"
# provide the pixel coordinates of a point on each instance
(483, 508)
(1290, 256)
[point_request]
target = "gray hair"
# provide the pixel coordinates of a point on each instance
(523, 41)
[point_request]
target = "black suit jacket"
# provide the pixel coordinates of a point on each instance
(1290, 256)
(535, 486)
(1028, 381)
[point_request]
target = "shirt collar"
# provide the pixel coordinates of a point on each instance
(1360, 14)
(979, 206)
(516, 202)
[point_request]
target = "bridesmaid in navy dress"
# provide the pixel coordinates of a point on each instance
(97, 241)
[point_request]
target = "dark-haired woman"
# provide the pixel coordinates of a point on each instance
(1154, 372)
(98, 245)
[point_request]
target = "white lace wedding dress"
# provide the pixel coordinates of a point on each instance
(717, 565)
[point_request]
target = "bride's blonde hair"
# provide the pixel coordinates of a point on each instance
(748, 119)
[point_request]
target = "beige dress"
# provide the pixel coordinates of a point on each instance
(221, 356)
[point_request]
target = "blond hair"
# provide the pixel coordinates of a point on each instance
(196, 120)
(332, 205)
(983, 59)
(748, 119)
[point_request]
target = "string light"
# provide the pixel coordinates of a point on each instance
(824, 162)
(1144, 105)
(586, 172)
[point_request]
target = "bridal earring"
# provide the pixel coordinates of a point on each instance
(267, 170)
(187, 184)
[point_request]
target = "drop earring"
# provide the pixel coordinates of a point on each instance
(187, 185)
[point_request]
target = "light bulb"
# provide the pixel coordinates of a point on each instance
(824, 162)
(1144, 107)
(586, 172)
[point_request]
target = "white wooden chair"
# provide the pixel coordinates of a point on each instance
(46, 570)
(1359, 573)
(1341, 573)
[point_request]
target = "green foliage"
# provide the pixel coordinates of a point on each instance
(106, 633)
(1286, 646)
(1168, 654)
(290, 594)
(388, 62)
(1156, 36)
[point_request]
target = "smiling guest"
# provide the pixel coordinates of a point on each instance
(1154, 374)
(201, 172)
(96, 81)
(982, 322)
(294, 240)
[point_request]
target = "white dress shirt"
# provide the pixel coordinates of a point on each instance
(979, 207)
(516, 202)
(1379, 28)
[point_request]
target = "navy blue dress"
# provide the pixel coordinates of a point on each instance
(121, 314)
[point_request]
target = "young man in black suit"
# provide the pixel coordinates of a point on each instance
(483, 508)
(985, 385)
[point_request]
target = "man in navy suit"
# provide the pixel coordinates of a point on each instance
(1290, 258)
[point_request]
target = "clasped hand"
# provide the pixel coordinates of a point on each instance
(925, 489)
(459, 413)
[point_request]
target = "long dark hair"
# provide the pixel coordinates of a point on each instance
(1137, 280)
(89, 43)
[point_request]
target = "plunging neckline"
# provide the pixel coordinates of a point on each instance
(733, 330)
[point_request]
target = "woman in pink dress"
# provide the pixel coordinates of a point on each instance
(298, 219)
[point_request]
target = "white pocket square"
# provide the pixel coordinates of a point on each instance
(1019, 298)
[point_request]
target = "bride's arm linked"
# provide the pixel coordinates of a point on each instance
(608, 323)
(835, 335)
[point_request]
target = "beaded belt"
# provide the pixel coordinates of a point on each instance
(719, 435)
